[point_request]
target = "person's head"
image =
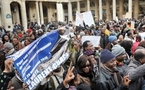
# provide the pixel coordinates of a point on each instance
(32, 37)
(130, 34)
(87, 45)
(76, 45)
(91, 56)
(108, 59)
(5, 38)
(116, 27)
(15, 41)
(142, 44)
(139, 55)
(126, 44)
(119, 53)
(8, 46)
(120, 37)
(138, 38)
(113, 39)
(83, 65)
(27, 41)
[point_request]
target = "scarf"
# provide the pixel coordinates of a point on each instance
(113, 73)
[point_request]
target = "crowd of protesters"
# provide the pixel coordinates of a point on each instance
(116, 64)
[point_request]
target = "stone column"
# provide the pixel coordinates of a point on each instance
(108, 9)
(37, 11)
(41, 13)
(121, 9)
(24, 16)
(100, 10)
(136, 9)
(78, 6)
(6, 15)
(96, 9)
(130, 7)
(88, 5)
(17, 14)
(70, 18)
(114, 9)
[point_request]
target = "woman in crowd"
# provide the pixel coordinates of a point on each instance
(85, 70)
(5, 38)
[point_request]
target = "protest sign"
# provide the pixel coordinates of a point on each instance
(60, 12)
(79, 19)
(88, 18)
(128, 15)
(142, 35)
(95, 40)
(50, 49)
(85, 17)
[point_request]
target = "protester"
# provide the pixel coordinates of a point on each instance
(109, 78)
(72, 81)
(85, 69)
(6, 76)
(136, 70)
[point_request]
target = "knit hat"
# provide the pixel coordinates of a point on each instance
(8, 45)
(106, 55)
(117, 50)
(112, 38)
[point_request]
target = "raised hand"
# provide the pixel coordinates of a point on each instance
(8, 65)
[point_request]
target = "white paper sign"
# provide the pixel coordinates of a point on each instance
(95, 40)
(87, 17)
(142, 35)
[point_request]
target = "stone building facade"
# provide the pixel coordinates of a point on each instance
(44, 11)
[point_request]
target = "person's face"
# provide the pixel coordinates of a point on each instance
(90, 47)
(75, 45)
(121, 57)
(32, 37)
(27, 42)
(86, 68)
(111, 64)
(6, 38)
(120, 37)
(15, 41)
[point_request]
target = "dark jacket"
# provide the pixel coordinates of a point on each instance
(105, 81)
(136, 71)
(4, 80)
(104, 41)
(81, 86)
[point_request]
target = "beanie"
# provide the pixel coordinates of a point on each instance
(106, 55)
(112, 38)
(8, 45)
(117, 50)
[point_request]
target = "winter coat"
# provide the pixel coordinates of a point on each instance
(105, 81)
(81, 86)
(136, 71)
(4, 80)
(104, 41)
